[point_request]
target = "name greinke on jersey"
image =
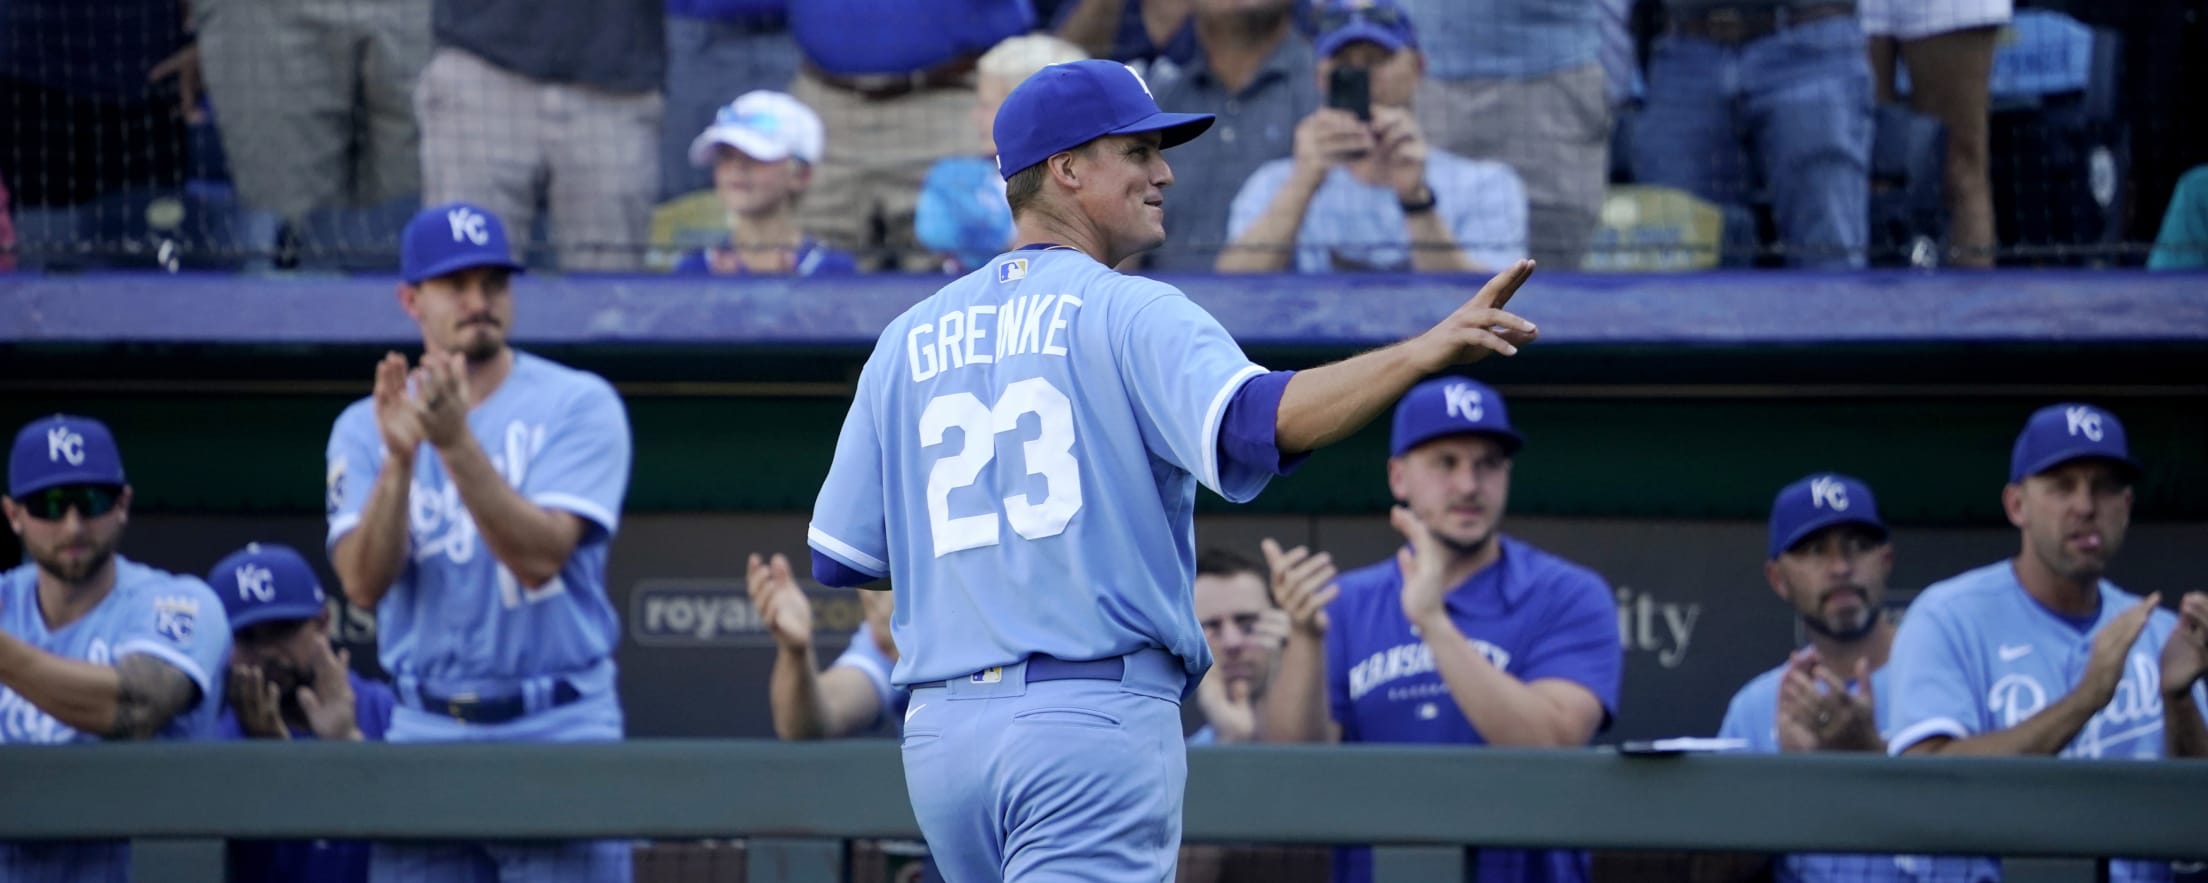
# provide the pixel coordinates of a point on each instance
(983, 334)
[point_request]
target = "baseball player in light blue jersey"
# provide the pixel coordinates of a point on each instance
(854, 693)
(1829, 558)
(1022, 456)
(471, 504)
(1466, 636)
(2040, 655)
(93, 645)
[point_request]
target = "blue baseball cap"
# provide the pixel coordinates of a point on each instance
(1451, 406)
(1818, 502)
(1064, 106)
(266, 582)
(63, 449)
(1386, 22)
(2058, 434)
(453, 237)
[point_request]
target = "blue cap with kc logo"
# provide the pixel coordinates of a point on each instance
(61, 450)
(2058, 434)
(1818, 502)
(453, 237)
(264, 583)
(1064, 106)
(1451, 406)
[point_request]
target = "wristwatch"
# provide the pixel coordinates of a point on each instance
(1423, 204)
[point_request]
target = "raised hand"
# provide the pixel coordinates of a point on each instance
(396, 419)
(779, 603)
(1480, 327)
(1302, 585)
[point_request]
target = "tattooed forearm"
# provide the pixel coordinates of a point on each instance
(148, 694)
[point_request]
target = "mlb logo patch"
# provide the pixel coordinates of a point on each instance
(173, 617)
(988, 675)
(1013, 270)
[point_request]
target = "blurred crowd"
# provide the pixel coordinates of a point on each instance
(744, 137)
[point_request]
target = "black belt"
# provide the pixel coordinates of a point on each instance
(470, 708)
(955, 73)
(1734, 25)
(1050, 668)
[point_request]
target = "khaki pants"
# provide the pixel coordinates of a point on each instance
(1553, 130)
(493, 137)
(878, 152)
(297, 84)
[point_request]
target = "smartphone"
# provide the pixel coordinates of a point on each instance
(1350, 88)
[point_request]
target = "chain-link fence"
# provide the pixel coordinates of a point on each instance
(1426, 135)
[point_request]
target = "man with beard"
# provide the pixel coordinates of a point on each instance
(1466, 637)
(286, 682)
(472, 501)
(2040, 654)
(93, 645)
(1829, 559)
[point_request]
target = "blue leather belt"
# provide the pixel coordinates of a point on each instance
(470, 708)
(1050, 668)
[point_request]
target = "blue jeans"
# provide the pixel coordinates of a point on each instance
(1792, 110)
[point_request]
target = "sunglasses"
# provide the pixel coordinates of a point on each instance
(1384, 16)
(90, 501)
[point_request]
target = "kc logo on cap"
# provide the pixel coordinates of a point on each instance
(467, 225)
(62, 443)
(1828, 492)
(2083, 419)
(1463, 401)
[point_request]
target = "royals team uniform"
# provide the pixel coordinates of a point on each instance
(457, 630)
(1533, 615)
(1753, 718)
(173, 618)
(1022, 455)
(1977, 654)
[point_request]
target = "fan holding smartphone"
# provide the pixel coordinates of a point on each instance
(1362, 189)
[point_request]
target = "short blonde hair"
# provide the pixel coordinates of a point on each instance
(1017, 58)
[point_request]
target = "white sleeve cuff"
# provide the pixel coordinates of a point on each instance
(846, 553)
(171, 655)
(580, 506)
(1214, 419)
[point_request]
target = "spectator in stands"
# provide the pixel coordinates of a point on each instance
(1372, 194)
(716, 48)
(1133, 31)
(1775, 93)
(763, 148)
(1465, 637)
(93, 646)
(2040, 654)
(1521, 82)
(1948, 47)
(93, 98)
(893, 79)
(2182, 243)
(287, 682)
(962, 214)
(1829, 559)
(556, 99)
(1253, 70)
(315, 101)
(854, 694)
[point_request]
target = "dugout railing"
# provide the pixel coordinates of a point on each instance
(796, 804)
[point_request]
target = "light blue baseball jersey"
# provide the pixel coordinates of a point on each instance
(456, 618)
(1976, 654)
(171, 617)
(1753, 717)
(1351, 225)
(865, 656)
(1023, 454)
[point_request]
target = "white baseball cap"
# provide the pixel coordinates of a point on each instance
(766, 126)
